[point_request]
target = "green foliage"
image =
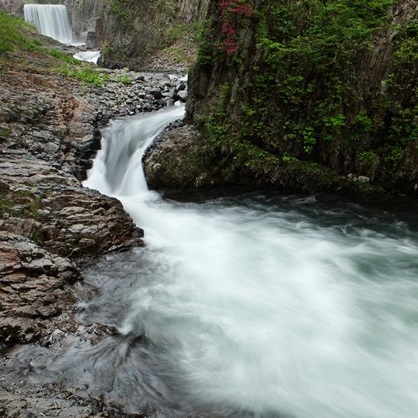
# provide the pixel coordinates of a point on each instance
(308, 52)
(123, 9)
(86, 72)
(205, 38)
(12, 36)
(367, 163)
(91, 74)
(303, 90)
(175, 32)
(394, 153)
(124, 79)
(288, 158)
(177, 54)
(404, 127)
(224, 141)
(167, 6)
(407, 45)
(309, 139)
(323, 34)
(335, 121)
(364, 123)
(62, 56)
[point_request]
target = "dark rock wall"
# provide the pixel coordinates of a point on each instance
(86, 18)
(49, 224)
(328, 83)
(129, 32)
(14, 7)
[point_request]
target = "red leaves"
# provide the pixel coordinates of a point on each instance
(232, 11)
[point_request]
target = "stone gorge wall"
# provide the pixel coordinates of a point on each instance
(14, 7)
(284, 92)
(86, 17)
(130, 32)
(192, 10)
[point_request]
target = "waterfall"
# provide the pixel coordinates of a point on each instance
(264, 305)
(50, 20)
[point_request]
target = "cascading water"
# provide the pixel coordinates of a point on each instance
(272, 306)
(50, 20)
(88, 56)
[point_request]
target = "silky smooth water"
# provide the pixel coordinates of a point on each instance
(269, 305)
(50, 20)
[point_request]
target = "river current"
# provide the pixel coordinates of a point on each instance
(259, 304)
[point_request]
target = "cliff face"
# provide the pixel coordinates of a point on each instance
(14, 7)
(86, 16)
(310, 92)
(49, 224)
(129, 32)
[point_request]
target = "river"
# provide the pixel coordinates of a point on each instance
(266, 304)
(255, 305)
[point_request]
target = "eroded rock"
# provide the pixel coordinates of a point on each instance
(35, 290)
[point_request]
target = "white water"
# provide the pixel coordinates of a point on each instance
(50, 20)
(88, 56)
(266, 307)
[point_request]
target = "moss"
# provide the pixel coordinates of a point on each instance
(176, 31)
(6, 207)
(367, 163)
(38, 236)
(23, 204)
(296, 88)
(5, 133)
(13, 36)
(307, 177)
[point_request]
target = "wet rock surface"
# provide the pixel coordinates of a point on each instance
(175, 161)
(35, 291)
(50, 226)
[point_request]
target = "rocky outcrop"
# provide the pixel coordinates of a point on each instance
(184, 146)
(49, 133)
(192, 11)
(35, 292)
(286, 93)
(131, 33)
(86, 19)
(52, 229)
(49, 223)
(14, 7)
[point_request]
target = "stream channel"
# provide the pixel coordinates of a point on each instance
(254, 305)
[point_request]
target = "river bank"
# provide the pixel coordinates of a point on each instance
(50, 226)
(62, 244)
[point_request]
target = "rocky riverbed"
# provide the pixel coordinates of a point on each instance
(51, 228)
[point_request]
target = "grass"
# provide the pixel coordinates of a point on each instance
(12, 35)
(16, 35)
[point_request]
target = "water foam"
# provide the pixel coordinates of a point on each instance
(268, 307)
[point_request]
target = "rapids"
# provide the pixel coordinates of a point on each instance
(264, 305)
